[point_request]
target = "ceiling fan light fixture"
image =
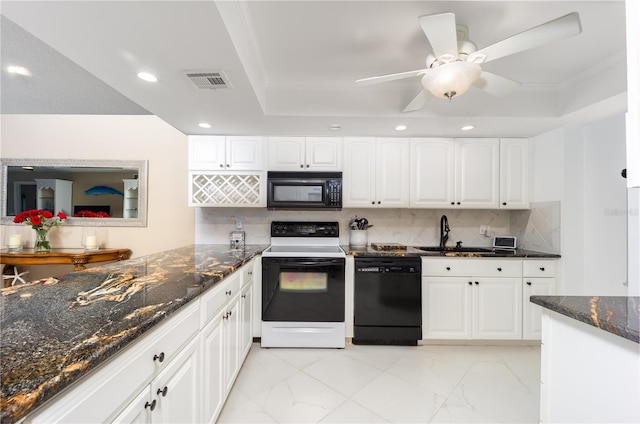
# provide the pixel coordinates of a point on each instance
(451, 79)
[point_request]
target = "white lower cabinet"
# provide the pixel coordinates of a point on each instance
(246, 319)
(180, 372)
(497, 308)
(484, 298)
(230, 344)
(472, 298)
(446, 308)
(212, 366)
(472, 308)
(538, 278)
(172, 397)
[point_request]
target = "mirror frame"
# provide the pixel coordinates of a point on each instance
(140, 165)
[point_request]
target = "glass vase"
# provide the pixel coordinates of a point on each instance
(42, 244)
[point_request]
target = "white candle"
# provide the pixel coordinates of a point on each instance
(91, 242)
(15, 240)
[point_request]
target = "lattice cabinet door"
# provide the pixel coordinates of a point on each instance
(227, 189)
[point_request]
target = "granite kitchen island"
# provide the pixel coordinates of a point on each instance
(57, 331)
(590, 367)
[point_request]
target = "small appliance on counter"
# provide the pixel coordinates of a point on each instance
(504, 243)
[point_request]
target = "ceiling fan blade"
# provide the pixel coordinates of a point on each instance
(390, 77)
(440, 30)
(495, 85)
(557, 29)
(418, 101)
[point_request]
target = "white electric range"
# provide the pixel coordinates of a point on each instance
(303, 286)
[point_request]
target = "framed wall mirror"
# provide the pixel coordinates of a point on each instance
(107, 193)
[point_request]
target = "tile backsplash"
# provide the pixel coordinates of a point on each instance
(413, 227)
(539, 227)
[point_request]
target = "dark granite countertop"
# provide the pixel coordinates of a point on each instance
(55, 331)
(619, 315)
(412, 251)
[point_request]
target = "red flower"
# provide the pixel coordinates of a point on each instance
(40, 219)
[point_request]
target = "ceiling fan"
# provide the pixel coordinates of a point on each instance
(454, 64)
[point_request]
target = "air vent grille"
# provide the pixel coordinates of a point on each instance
(209, 80)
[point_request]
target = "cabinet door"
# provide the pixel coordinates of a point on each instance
(177, 388)
(432, 172)
(446, 307)
(139, 409)
(212, 369)
(514, 173)
(359, 172)
(246, 318)
(207, 153)
(497, 308)
(392, 172)
(476, 178)
(323, 154)
(244, 153)
(231, 343)
(286, 153)
(532, 313)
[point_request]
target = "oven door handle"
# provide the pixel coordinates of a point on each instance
(304, 262)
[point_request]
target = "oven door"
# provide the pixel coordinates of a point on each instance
(303, 289)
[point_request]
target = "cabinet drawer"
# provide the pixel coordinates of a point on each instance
(539, 268)
(460, 267)
(214, 299)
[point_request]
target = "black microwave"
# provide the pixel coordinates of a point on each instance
(304, 190)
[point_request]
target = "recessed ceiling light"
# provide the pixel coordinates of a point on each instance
(28, 168)
(204, 125)
(18, 70)
(467, 128)
(401, 127)
(335, 127)
(145, 76)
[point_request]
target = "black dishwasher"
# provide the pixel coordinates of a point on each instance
(387, 301)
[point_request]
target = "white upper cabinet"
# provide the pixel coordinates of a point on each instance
(432, 172)
(514, 173)
(376, 172)
(454, 173)
(477, 176)
(305, 154)
(220, 153)
(324, 153)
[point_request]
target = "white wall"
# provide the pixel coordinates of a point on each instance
(170, 222)
(580, 166)
(605, 208)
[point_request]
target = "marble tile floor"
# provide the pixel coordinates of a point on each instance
(382, 384)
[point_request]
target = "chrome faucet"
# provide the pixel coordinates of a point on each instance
(444, 231)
